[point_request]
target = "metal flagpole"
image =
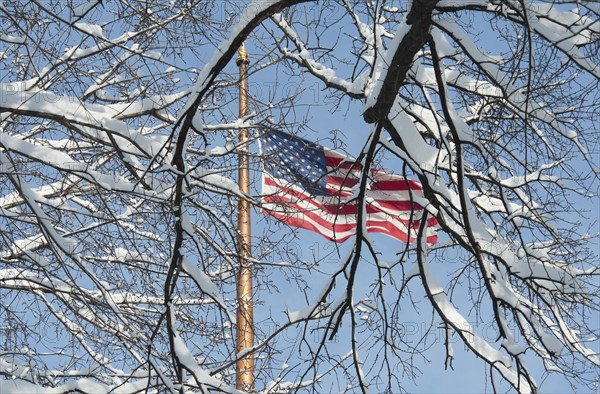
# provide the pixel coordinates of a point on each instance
(245, 313)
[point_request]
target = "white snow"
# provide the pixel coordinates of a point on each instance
(205, 284)
(201, 375)
(380, 69)
(95, 119)
(154, 55)
(92, 30)
(12, 39)
(82, 385)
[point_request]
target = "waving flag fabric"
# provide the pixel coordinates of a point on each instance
(308, 186)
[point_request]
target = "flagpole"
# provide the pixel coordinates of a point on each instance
(245, 313)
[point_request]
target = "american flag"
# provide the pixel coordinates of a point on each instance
(308, 186)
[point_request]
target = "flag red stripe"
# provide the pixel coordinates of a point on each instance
(340, 162)
(395, 185)
(406, 206)
(340, 181)
(388, 229)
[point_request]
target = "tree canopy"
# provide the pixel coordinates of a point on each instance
(118, 193)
